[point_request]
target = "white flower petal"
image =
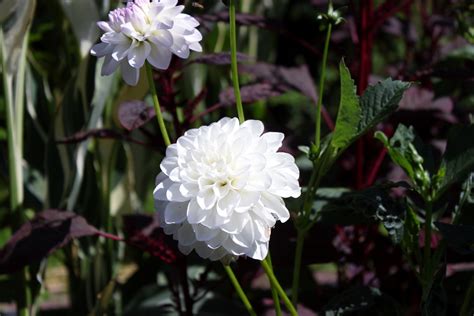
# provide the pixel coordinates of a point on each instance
(256, 127)
(120, 51)
(195, 47)
(129, 74)
(162, 39)
(259, 251)
(186, 235)
(104, 26)
(276, 205)
(204, 233)
(274, 140)
(195, 213)
(217, 241)
(101, 49)
(246, 237)
(109, 66)
(206, 199)
(175, 212)
(160, 58)
(138, 54)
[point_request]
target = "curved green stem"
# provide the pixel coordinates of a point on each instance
(233, 55)
(274, 282)
(156, 104)
(239, 290)
(276, 299)
(317, 139)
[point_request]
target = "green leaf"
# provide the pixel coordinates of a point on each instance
(379, 101)
(458, 237)
(364, 299)
(15, 19)
(349, 114)
(339, 206)
(458, 160)
(399, 147)
(408, 151)
(358, 115)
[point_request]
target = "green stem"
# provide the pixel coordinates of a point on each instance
(468, 299)
(156, 104)
(317, 139)
(14, 112)
(297, 267)
(274, 282)
(426, 271)
(276, 299)
(233, 55)
(239, 290)
(427, 248)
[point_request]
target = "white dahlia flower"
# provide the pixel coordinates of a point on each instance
(145, 30)
(221, 189)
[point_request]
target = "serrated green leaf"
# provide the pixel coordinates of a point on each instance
(349, 114)
(357, 207)
(362, 299)
(358, 115)
(458, 160)
(379, 101)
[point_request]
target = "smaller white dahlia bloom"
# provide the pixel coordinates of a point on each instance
(145, 30)
(221, 189)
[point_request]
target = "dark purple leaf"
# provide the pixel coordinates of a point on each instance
(219, 58)
(99, 133)
(143, 232)
(48, 231)
(261, 22)
(250, 93)
(83, 135)
(133, 114)
(300, 79)
(286, 78)
(395, 26)
(240, 18)
(419, 99)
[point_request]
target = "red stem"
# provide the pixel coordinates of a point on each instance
(365, 65)
(327, 118)
(110, 236)
(375, 169)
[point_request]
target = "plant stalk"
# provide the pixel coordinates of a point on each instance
(156, 104)
(317, 139)
(313, 186)
(427, 246)
(297, 267)
(239, 290)
(274, 282)
(14, 117)
(234, 67)
(276, 299)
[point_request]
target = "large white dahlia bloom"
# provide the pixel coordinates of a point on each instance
(145, 30)
(221, 189)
